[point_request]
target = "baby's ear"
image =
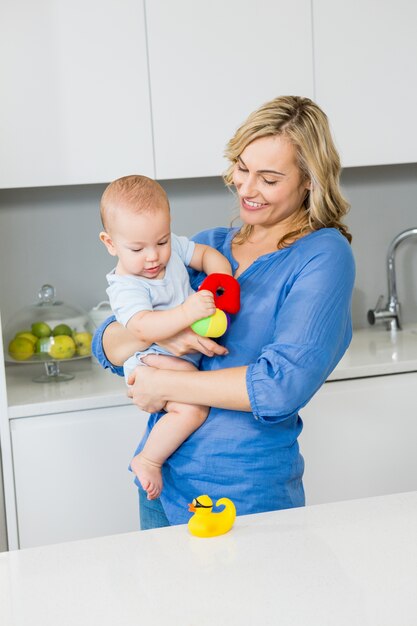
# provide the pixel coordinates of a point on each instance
(108, 242)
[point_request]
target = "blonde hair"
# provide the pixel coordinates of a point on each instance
(139, 194)
(306, 126)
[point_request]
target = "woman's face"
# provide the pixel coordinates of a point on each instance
(269, 183)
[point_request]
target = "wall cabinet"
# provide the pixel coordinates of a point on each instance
(71, 474)
(365, 78)
(75, 98)
(211, 64)
(359, 438)
(92, 91)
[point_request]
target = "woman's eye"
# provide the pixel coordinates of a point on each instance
(270, 182)
(240, 168)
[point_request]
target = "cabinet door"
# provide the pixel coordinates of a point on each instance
(211, 64)
(359, 439)
(71, 474)
(75, 100)
(365, 73)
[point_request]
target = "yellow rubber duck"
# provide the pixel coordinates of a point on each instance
(204, 523)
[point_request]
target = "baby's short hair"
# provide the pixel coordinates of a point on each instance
(136, 193)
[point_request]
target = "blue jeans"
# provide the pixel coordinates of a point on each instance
(151, 512)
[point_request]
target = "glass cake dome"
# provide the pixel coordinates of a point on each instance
(48, 332)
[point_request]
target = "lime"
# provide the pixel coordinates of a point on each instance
(21, 348)
(42, 345)
(62, 347)
(26, 334)
(83, 343)
(41, 329)
(62, 329)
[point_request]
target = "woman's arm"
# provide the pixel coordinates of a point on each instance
(224, 389)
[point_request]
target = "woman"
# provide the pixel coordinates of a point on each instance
(296, 272)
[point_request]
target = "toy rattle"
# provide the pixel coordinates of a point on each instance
(205, 523)
(226, 292)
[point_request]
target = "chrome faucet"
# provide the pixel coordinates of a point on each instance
(391, 314)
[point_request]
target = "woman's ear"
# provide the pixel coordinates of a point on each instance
(108, 242)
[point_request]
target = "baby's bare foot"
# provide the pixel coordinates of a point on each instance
(149, 475)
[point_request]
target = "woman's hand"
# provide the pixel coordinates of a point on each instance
(152, 388)
(143, 389)
(188, 341)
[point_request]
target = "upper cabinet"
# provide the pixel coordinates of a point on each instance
(366, 79)
(75, 102)
(211, 64)
(95, 90)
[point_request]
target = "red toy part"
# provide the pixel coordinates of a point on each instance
(226, 291)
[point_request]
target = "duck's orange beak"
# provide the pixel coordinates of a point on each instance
(191, 508)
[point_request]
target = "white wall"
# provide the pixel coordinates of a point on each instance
(49, 235)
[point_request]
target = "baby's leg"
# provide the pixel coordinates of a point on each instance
(178, 423)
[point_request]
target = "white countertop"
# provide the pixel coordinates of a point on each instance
(350, 563)
(373, 352)
(376, 351)
(92, 387)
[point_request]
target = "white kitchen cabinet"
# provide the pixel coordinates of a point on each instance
(95, 90)
(365, 77)
(75, 99)
(211, 64)
(66, 446)
(359, 438)
(71, 474)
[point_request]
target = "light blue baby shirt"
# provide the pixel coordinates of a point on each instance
(129, 294)
(293, 327)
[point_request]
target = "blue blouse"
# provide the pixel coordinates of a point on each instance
(293, 327)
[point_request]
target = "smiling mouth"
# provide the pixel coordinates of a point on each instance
(251, 205)
(152, 270)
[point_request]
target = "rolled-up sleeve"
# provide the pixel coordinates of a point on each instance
(312, 332)
(97, 347)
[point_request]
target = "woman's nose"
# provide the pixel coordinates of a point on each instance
(247, 186)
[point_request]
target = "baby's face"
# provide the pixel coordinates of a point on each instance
(142, 242)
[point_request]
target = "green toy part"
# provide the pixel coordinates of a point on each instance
(213, 326)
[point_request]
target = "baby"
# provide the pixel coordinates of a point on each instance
(150, 294)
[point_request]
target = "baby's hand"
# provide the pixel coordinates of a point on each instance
(199, 305)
